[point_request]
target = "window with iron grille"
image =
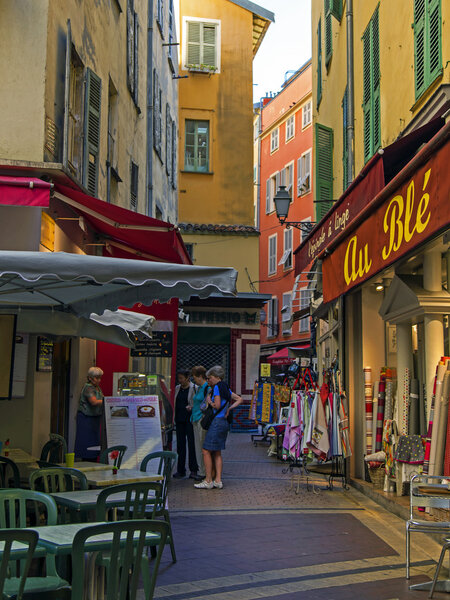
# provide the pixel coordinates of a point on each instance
(134, 180)
(206, 355)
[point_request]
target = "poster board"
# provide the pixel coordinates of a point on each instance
(133, 421)
(7, 338)
(20, 364)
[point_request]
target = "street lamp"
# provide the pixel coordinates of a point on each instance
(282, 201)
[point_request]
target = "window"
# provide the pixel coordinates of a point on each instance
(304, 174)
(170, 48)
(427, 44)
(371, 88)
(307, 114)
(328, 33)
(134, 180)
(323, 170)
(160, 16)
(132, 51)
(196, 152)
(304, 232)
(190, 250)
(272, 185)
(344, 141)
(272, 254)
(274, 140)
(286, 259)
(76, 121)
(286, 314)
(272, 318)
(202, 44)
(288, 177)
(91, 131)
(112, 156)
(319, 62)
(335, 8)
(290, 128)
(304, 303)
(157, 115)
(169, 145)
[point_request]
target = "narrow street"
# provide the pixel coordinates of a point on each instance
(256, 538)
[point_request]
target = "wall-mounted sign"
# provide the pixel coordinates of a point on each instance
(406, 219)
(265, 369)
(223, 317)
(44, 356)
(160, 344)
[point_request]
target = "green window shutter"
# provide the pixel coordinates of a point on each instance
(367, 117)
(376, 128)
(434, 39)
(336, 9)
(323, 170)
(371, 87)
(344, 139)
(319, 62)
(209, 45)
(328, 33)
(419, 46)
(193, 43)
(92, 131)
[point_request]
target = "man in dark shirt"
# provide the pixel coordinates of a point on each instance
(184, 394)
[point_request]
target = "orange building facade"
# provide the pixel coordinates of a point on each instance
(286, 159)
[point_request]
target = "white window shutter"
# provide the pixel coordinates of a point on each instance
(193, 43)
(209, 45)
(268, 198)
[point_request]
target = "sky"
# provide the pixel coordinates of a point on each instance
(285, 47)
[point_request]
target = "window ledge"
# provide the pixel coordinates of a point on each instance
(429, 90)
(197, 172)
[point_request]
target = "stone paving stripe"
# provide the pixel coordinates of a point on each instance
(350, 569)
(262, 511)
(279, 588)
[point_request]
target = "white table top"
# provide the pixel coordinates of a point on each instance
(58, 539)
(105, 477)
(86, 466)
(87, 499)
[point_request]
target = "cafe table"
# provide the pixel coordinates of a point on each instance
(85, 466)
(19, 551)
(86, 500)
(18, 455)
(105, 477)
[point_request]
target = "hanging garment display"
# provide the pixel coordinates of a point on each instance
(318, 439)
(368, 399)
(414, 407)
(388, 407)
(376, 385)
(404, 405)
(380, 411)
(344, 426)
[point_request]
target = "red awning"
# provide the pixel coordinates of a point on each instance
(280, 357)
(24, 191)
(126, 234)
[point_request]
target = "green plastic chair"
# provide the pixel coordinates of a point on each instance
(11, 586)
(57, 479)
(141, 499)
(55, 449)
(17, 507)
(9, 473)
(125, 563)
(118, 460)
(166, 462)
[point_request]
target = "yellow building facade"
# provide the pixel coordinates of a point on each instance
(218, 40)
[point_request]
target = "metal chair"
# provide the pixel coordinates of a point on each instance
(424, 492)
(9, 473)
(104, 456)
(11, 586)
(21, 508)
(126, 559)
(166, 464)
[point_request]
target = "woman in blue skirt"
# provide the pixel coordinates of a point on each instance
(89, 416)
(220, 399)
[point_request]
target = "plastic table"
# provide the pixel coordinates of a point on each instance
(105, 477)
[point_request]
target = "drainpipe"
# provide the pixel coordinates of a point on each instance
(65, 159)
(350, 94)
(149, 100)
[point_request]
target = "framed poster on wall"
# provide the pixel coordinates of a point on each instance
(7, 339)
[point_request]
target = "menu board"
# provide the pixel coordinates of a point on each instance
(44, 356)
(133, 421)
(160, 344)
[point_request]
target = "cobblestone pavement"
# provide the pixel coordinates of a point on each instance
(257, 538)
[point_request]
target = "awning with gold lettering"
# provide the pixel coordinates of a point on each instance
(410, 210)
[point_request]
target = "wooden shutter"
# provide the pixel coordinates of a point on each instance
(174, 155)
(427, 43)
(371, 87)
(209, 45)
(367, 117)
(419, 46)
(130, 46)
(324, 170)
(135, 59)
(434, 44)
(92, 131)
(134, 180)
(268, 182)
(335, 7)
(319, 62)
(299, 176)
(168, 142)
(376, 127)
(193, 43)
(328, 33)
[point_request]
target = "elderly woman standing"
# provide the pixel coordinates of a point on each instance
(89, 416)
(215, 438)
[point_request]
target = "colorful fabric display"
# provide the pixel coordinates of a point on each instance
(318, 440)
(442, 427)
(368, 398)
(376, 386)
(426, 464)
(282, 393)
(264, 403)
(346, 448)
(414, 417)
(380, 411)
(410, 450)
(388, 407)
(389, 439)
(404, 407)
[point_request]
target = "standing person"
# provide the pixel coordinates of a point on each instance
(199, 377)
(89, 416)
(216, 435)
(184, 396)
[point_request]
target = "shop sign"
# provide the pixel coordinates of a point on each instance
(222, 317)
(44, 355)
(265, 370)
(159, 345)
(418, 209)
(343, 214)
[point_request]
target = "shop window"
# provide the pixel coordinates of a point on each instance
(272, 254)
(427, 44)
(286, 314)
(132, 51)
(202, 45)
(323, 170)
(196, 153)
(304, 174)
(319, 62)
(371, 87)
(274, 139)
(290, 128)
(307, 114)
(92, 131)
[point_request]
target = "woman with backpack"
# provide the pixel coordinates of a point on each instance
(220, 399)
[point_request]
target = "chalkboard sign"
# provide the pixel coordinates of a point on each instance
(159, 345)
(44, 356)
